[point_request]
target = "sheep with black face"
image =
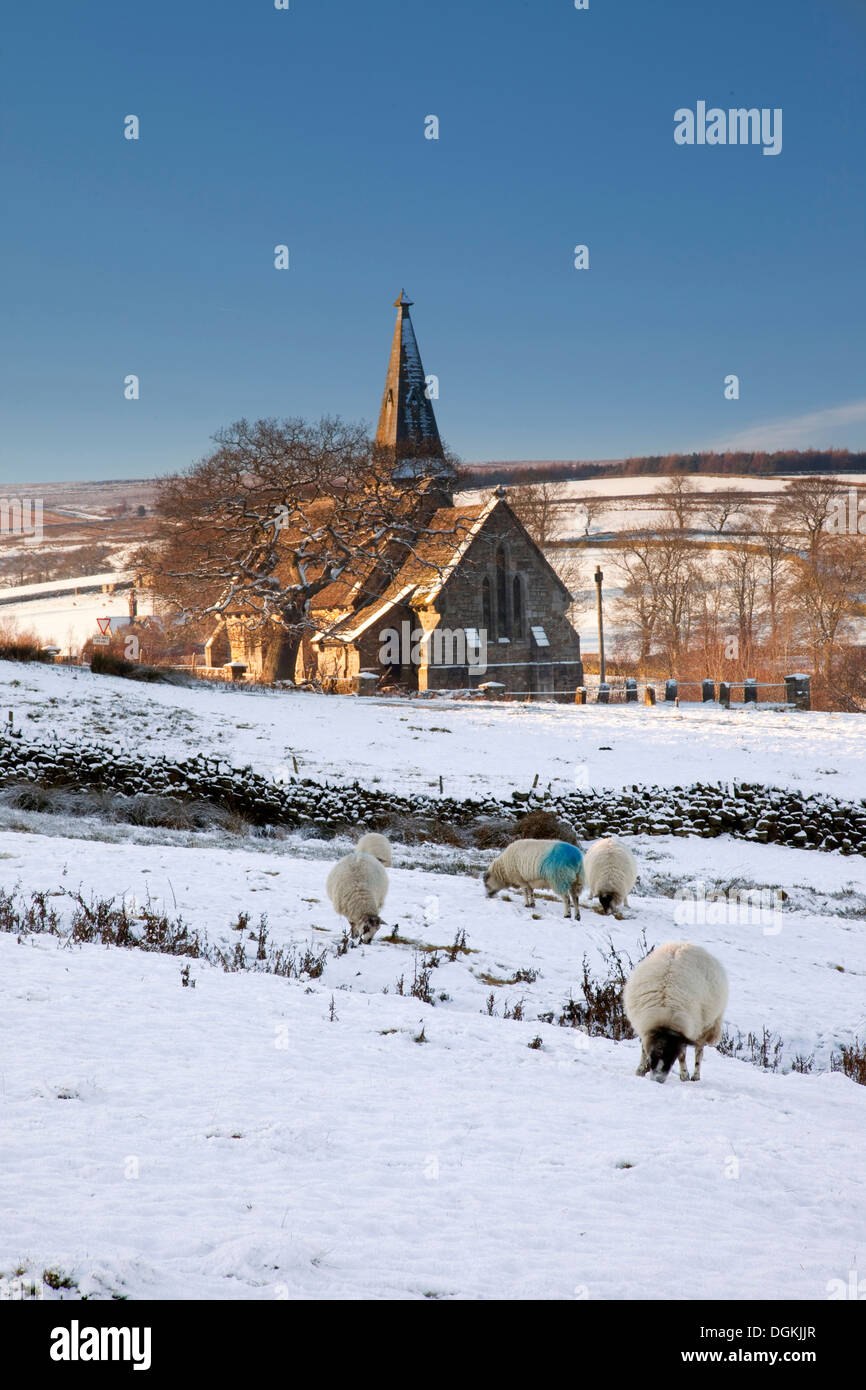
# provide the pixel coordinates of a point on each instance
(675, 997)
(358, 884)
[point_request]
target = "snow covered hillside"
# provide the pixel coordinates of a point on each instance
(409, 1119)
(476, 747)
(234, 1140)
(64, 613)
(623, 504)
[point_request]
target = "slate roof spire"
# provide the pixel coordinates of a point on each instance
(407, 431)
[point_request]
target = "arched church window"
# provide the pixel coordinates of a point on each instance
(502, 623)
(517, 605)
(486, 607)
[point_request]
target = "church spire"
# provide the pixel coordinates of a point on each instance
(407, 431)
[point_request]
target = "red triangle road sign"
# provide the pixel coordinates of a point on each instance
(104, 624)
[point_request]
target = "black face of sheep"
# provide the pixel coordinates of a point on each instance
(607, 901)
(665, 1047)
(491, 892)
(369, 927)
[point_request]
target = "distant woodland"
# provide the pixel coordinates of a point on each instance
(739, 463)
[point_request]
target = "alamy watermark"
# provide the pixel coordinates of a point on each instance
(20, 1288)
(854, 1288)
(735, 907)
(408, 646)
(736, 126)
(77, 1343)
(847, 514)
(22, 517)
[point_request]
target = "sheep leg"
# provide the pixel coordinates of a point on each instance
(643, 1064)
(575, 897)
(567, 901)
(684, 1071)
(528, 895)
(711, 1036)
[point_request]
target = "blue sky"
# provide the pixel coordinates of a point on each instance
(306, 127)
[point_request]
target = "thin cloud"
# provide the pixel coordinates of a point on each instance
(801, 431)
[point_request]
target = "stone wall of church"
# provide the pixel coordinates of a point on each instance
(502, 587)
(244, 646)
(520, 593)
(266, 652)
(337, 664)
(386, 647)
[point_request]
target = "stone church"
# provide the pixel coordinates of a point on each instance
(472, 602)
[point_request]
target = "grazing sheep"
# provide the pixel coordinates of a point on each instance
(611, 873)
(376, 845)
(675, 996)
(531, 864)
(357, 885)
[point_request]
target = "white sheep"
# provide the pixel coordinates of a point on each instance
(611, 873)
(674, 997)
(357, 886)
(376, 845)
(531, 864)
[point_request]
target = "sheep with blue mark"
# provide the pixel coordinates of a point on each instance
(531, 864)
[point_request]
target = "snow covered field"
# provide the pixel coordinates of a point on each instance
(232, 1141)
(477, 747)
(66, 618)
(249, 1138)
(632, 503)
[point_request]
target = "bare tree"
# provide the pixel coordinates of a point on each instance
(537, 505)
(638, 605)
(662, 587)
(741, 575)
(540, 505)
(677, 592)
(776, 557)
(677, 497)
(720, 507)
(274, 517)
(805, 507)
(592, 507)
(847, 688)
(828, 595)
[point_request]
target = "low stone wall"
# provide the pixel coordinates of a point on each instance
(749, 811)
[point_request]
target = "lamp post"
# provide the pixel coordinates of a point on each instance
(601, 667)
